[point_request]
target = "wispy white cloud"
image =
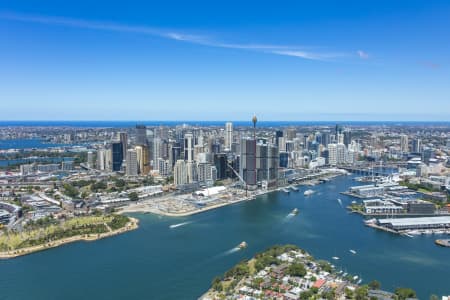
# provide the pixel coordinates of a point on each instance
(293, 51)
(362, 54)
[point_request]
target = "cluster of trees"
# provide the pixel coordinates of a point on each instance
(405, 293)
(60, 233)
(296, 269)
(240, 270)
(43, 222)
(118, 222)
(70, 190)
(269, 257)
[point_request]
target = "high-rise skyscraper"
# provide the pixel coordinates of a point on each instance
(180, 173)
(228, 135)
(117, 156)
(123, 138)
(157, 145)
(189, 147)
(278, 134)
(404, 144)
(90, 159)
(141, 135)
(347, 137)
(220, 162)
(175, 154)
(247, 165)
(338, 130)
(132, 163)
(416, 145)
(143, 159)
(325, 138)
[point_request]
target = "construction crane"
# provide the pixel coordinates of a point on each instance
(239, 176)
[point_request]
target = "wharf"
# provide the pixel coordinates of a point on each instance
(443, 243)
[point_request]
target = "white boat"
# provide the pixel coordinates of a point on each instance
(352, 251)
(242, 246)
(355, 277)
(294, 189)
(359, 281)
(294, 212)
(370, 221)
(308, 193)
(335, 258)
(340, 201)
(286, 191)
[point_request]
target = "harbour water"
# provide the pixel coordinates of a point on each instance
(26, 144)
(160, 261)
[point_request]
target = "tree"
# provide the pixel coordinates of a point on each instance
(362, 293)
(404, 293)
(348, 293)
(329, 295)
(434, 297)
(374, 285)
(296, 269)
(217, 284)
(70, 191)
(133, 196)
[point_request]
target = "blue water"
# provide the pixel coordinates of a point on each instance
(156, 262)
(4, 163)
(132, 123)
(26, 144)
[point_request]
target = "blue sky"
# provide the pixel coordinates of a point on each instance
(224, 60)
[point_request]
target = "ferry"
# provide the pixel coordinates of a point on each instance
(294, 212)
(352, 251)
(242, 246)
(308, 193)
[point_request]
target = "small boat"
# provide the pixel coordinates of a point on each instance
(308, 193)
(359, 281)
(370, 221)
(294, 212)
(335, 258)
(345, 274)
(294, 189)
(340, 201)
(355, 277)
(352, 251)
(242, 246)
(286, 191)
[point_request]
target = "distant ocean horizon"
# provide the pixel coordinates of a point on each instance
(240, 123)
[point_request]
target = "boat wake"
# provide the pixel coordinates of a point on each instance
(179, 225)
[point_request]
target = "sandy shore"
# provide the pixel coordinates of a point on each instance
(132, 225)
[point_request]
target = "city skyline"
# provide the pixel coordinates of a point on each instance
(202, 62)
